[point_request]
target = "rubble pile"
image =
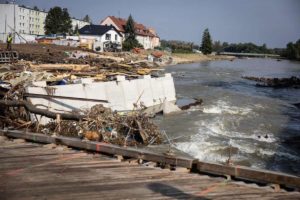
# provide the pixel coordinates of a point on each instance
(101, 124)
(59, 65)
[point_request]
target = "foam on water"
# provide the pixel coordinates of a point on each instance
(207, 143)
(222, 107)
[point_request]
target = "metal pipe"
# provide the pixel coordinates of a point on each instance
(45, 96)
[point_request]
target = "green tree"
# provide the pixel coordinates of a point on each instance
(58, 21)
(293, 50)
(76, 30)
(217, 46)
(87, 19)
(67, 22)
(130, 41)
(206, 46)
(36, 8)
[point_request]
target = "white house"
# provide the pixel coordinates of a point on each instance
(100, 36)
(146, 36)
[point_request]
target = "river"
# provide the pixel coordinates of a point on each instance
(258, 127)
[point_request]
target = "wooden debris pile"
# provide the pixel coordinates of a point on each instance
(102, 124)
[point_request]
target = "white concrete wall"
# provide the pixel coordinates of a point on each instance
(121, 95)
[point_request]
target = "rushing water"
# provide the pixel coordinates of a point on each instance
(259, 126)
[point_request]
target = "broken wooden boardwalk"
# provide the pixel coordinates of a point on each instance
(35, 171)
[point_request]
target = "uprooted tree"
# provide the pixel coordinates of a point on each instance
(206, 46)
(58, 21)
(130, 35)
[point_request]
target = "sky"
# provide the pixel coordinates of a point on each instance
(274, 22)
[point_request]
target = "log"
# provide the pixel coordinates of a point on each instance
(31, 108)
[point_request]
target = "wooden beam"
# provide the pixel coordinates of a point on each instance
(239, 172)
(103, 148)
(250, 174)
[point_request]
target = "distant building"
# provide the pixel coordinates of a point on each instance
(146, 36)
(101, 37)
(28, 22)
(79, 23)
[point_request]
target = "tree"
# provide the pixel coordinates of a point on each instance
(58, 21)
(293, 50)
(66, 21)
(87, 19)
(130, 41)
(217, 46)
(206, 46)
(76, 30)
(36, 8)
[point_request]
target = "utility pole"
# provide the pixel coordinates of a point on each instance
(5, 25)
(14, 38)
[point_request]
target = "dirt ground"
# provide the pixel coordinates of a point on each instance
(181, 58)
(41, 53)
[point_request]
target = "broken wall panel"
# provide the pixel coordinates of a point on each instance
(121, 94)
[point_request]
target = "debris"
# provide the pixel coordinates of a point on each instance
(44, 66)
(50, 146)
(3, 139)
(292, 82)
(19, 141)
(196, 103)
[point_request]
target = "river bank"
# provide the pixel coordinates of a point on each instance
(185, 58)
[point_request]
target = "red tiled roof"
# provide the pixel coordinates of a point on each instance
(140, 28)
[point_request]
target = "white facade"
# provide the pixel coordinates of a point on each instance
(26, 21)
(100, 40)
(144, 39)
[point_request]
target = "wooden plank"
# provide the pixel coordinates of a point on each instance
(240, 172)
(89, 177)
(103, 148)
(247, 173)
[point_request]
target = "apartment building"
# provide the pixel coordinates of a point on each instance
(26, 21)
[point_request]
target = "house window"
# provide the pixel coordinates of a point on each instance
(116, 37)
(107, 36)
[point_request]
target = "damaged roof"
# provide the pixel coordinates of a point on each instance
(97, 30)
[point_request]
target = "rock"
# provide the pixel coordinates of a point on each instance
(169, 108)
